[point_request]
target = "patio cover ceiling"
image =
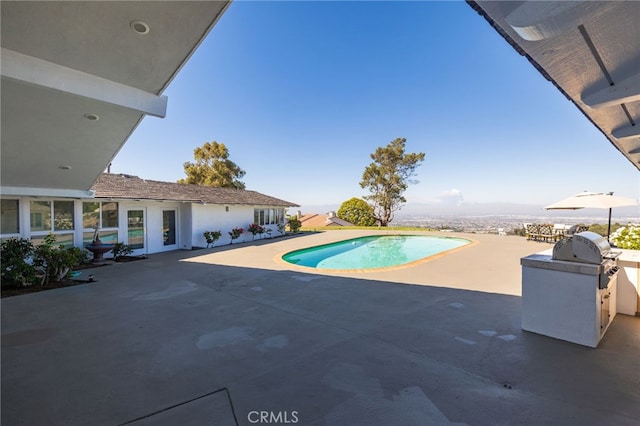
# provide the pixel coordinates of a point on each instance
(77, 79)
(590, 50)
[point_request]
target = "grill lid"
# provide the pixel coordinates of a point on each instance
(585, 247)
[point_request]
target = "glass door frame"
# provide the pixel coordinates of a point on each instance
(145, 243)
(175, 228)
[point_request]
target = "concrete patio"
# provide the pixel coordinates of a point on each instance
(233, 335)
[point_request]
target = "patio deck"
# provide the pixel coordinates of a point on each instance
(218, 336)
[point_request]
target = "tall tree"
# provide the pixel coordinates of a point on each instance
(213, 168)
(388, 176)
(357, 211)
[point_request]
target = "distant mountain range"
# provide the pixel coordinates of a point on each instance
(413, 210)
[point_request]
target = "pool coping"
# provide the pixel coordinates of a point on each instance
(472, 242)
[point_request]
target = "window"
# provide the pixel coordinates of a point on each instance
(106, 236)
(63, 215)
(90, 215)
(102, 215)
(268, 216)
(10, 221)
(280, 216)
(56, 217)
(42, 213)
(97, 213)
(110, 214)
(65, 240)
(40, 216)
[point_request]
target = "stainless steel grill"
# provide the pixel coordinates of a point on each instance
(589, 247)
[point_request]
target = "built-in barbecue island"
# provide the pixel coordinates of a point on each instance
(573, 291)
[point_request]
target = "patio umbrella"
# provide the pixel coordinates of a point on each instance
(596, 200)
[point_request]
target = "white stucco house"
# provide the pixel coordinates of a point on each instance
(149, 216)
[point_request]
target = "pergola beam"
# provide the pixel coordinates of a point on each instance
(625, 91)
(626, 132)
(535, 21)
(35, 71)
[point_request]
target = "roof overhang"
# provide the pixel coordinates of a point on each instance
(78, 77)
(589, 49)
(47, 192)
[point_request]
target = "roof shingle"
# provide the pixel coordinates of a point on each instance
(132, 187)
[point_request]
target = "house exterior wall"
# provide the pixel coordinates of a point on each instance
(151, 231)
(217, 218)
(79, 236)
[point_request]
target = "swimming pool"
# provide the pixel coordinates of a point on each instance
(373, 252)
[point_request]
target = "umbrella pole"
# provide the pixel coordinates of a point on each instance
(609, 227)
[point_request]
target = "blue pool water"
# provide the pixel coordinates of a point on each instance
(372, 252)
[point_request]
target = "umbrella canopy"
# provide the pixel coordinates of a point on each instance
(596, 200)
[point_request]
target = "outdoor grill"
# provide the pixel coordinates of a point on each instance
(589, 247)
(571, 293)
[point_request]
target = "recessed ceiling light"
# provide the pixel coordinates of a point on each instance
(91, 117)
(140, 27)
(64, 167)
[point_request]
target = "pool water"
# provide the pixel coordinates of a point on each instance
(373, 252)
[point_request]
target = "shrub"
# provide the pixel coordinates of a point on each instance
(255, 229)
(235, 234)
(294, 224)
(120, 250)
(627, 237)
(357, 211)
(54, 261)
(602, 228)
(212, 236)
(83, 255)
(17, 268)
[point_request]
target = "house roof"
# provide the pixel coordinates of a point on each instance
(122, 186)
(316, 220)
(588, 50)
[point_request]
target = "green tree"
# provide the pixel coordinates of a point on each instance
(357, 211)
(213, 168)
(388, 176)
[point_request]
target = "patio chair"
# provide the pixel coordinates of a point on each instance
(582, 228)
(576, 229)
(530, 230)
(559, 231)
(546, 232)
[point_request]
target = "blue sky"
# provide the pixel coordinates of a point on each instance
(302, 92)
